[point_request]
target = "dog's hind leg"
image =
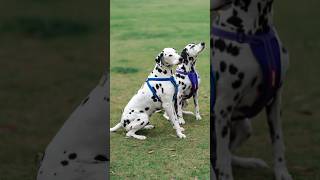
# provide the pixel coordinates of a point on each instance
(116, 127)
(240, 131)
(132, 133)
(274, 122)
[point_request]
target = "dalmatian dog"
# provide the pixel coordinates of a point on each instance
(79, 150)
(249, 64)
(188, 80)
(159, 91)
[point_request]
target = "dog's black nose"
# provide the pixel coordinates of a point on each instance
(180, 59)
(203, 44)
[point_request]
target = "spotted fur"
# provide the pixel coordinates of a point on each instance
(239, 82)
(142, 105)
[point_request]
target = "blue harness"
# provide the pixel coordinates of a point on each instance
(265, 48)
(153, 90)
(193, 76)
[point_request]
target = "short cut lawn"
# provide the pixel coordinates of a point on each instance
(139, 31)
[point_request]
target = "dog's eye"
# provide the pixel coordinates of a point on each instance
(170, 55)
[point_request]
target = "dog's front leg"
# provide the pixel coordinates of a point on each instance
(169, 108)
(222, 114)
(179, 108)
(274, 121)
(196, 105)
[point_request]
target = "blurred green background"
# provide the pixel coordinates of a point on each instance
(298, 26)
(52, 54)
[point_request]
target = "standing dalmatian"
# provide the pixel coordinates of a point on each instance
(249, 65)
(188, 79)
(159, 91)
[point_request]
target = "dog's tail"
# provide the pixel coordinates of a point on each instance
(116, 127)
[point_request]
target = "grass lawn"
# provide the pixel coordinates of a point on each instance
(139, 31)
(299, 28)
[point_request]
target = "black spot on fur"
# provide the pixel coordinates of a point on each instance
(236, 97)
(220, 45)
(217, 76)
(236, 21)
(233, 50)
(241, 75)
(101, 158)
(141, 111)
(229, 108)
(64, 163)
(223, 66)
(147, 108)
(233, 69)
(236, 84)
(224, 131)
(72, 156)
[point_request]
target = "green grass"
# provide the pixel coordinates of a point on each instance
(139, 31)
(299, 28)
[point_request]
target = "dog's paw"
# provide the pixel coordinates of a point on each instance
(166, 116)
(198, 117)
(282, 174)
(140, 137)
(181, 135)
(149, 126)
(181, 121)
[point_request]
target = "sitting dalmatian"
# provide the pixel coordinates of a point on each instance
(159, 91)
(79, 150)
(188, 80)
(249, 64)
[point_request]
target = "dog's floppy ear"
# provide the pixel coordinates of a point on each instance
(184, 55)
(159, 58)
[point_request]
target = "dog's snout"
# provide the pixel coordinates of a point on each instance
(203, 44)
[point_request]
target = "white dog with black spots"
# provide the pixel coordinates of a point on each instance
(239, 83)
(159, 95)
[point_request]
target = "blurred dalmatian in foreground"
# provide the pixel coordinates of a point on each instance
(249, 64)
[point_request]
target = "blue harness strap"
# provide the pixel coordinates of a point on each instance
(265, 48)
(153, 90)
(193, 76)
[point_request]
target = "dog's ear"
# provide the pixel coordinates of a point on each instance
(184, 55)
(159, 58)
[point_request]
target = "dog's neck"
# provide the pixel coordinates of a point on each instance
(186, 66)
(247, 16)
(161, 71)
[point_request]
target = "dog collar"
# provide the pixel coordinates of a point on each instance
(153, 90)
